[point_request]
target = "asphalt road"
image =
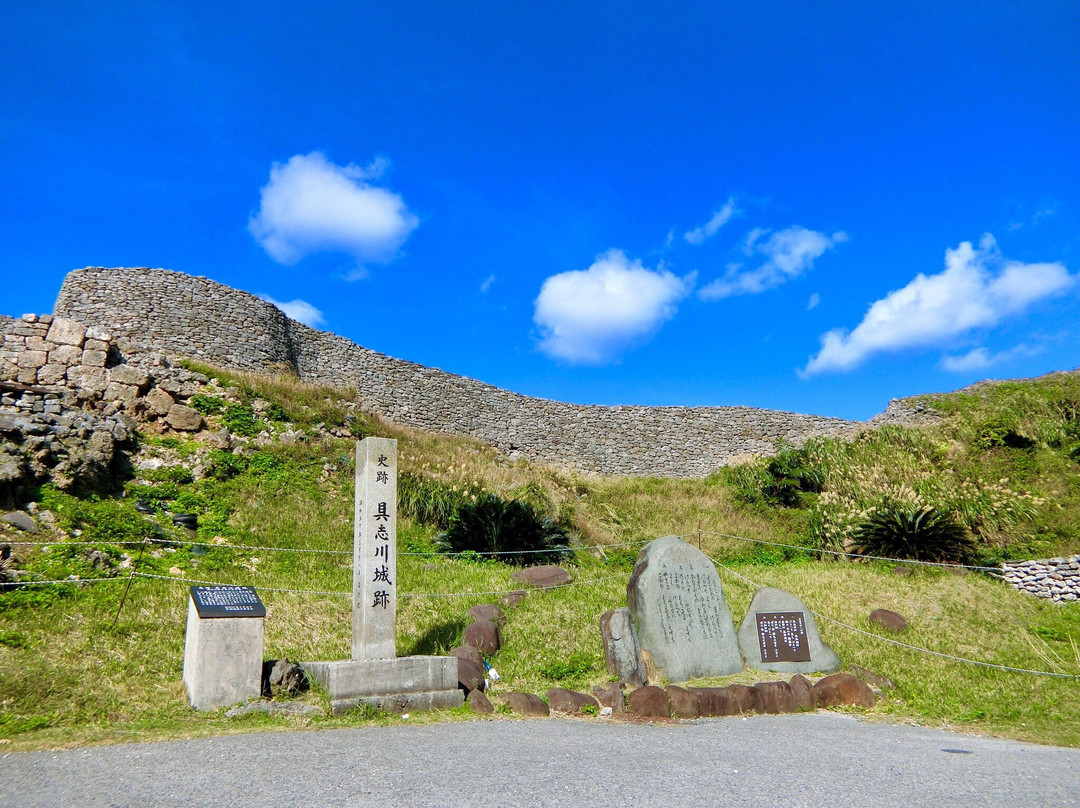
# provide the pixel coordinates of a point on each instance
(804, 760)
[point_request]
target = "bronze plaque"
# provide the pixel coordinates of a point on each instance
(782, 637)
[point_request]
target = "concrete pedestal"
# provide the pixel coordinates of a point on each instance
(223, 659)
(400, 684)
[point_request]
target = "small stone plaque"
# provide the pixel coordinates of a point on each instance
(782, 637)
(227, 601)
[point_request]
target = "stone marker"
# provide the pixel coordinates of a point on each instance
(223, 646)
(543, 577)
(780, 634)
(375, 675)
(683, 621)
(889, 619)
(621, 650)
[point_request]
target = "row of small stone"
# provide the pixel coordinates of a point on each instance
(1055, 578)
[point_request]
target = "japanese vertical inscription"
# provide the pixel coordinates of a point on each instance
(374, 605)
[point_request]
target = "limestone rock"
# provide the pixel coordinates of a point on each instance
(684, 703)
(283, 678)
(888, 620)
(621, 650)
(542, 577)
(20, 520)
(184, 419)
(570, 701)
(66, 332)
(841, 689)
(488, 611)
(682, 617)
(129, 375)
(158, 401)
(479, 703)
(778, 625)
(120, 392)
(526, 704)
(648, 702)
(484, 636)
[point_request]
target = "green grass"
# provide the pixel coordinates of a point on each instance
(68, 676)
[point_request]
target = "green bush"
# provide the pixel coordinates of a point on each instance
(240, 420)
(207, 405)
(222, 465)
(910, 532)
(509, 528)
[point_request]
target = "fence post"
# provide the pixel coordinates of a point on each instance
(134, 568)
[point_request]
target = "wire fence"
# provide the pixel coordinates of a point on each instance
(344, 572)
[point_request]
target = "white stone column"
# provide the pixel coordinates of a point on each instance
(374, 606)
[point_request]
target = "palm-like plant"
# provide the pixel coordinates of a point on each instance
(910, 532)
(509, 529)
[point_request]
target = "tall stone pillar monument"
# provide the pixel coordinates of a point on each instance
(374, 597)
(375, 675)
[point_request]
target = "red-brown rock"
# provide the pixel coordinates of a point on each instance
(542, 577)
(684, 703)
(470, 675)
(649, 702)
(745, 696)
(512, 599)
(840, 689)
(484, 636)
(479, 703)
(888, 620)
(526, 704)
(488, 611)
(805, 695)
(469, 653)
(569, 701)
(716, 701)
(610, 695)
(775, 697)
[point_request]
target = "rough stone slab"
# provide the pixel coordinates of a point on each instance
(66, 332)
(352, 678)
(542, 577)
(402, 702)
(22, 521)
(621, 649)
(223, 660)
(683, 620)
(766, 600)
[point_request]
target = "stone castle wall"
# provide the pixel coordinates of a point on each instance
(198, 318)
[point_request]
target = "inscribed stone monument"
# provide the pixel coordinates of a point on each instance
(376, 675)
(780, 634)
(683, 621)
(223, 646)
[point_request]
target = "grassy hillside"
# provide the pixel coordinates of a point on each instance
(1002, 467)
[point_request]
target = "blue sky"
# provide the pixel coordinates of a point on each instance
(805, 206)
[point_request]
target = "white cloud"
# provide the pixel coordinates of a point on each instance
(718, 220)
(788, 254)
(977, 289)
(813, 302)
(981, 358)
(590, 316)
(312, 205)
(486, 285)
(299, 310)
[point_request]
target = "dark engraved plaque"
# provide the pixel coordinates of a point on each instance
(227, 601)
(782, 637)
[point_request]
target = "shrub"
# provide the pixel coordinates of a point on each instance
(510, 528)
(222, 465)
(240, 420)
(431, 501)
(909, 532)
(207, 405)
